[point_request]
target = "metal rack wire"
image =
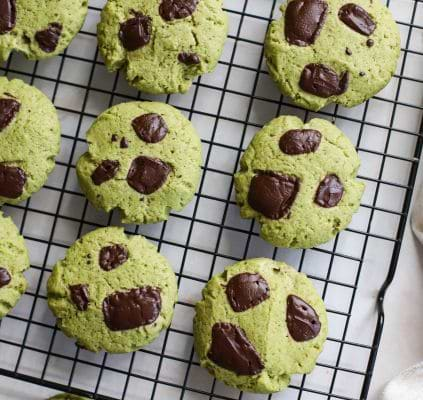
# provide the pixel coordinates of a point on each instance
(227, 107)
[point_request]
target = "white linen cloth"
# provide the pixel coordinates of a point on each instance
(407, 386)
(417, 217)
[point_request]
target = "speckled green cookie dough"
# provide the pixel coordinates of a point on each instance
(39, 28)
(66, 396)
(13, 262)
(112, 292)
(144, 159)
(332, 51)
(299, 181)
(29, 140)
(162, 45)
(259, 322)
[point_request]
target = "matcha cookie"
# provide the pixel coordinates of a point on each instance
(259, 322)
(29, 140)
(144, 159)
(299, 181)
(66, 396)
(13, 261)
(39, 28)
(162, 45)
(112, 292)
(332, 51)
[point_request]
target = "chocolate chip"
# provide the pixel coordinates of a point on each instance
(330, 192)
(362, 74)
(273, 194)
(114, 138)
(124, 144)
(12, 181)
(304, 20)
(132, 309)
(80, 296)
(230, 349)
(105, 171)
(348, 51)
(146, 175)
(8, 110)
(7, 15)
(322, 81)
(48, 39)
(135, 32)
(302, 321)
(177, 9)
(299, 141)
(150, 128)
(357, 18)
(5, 277)
(370, 43)
(112, 257)
(189, 58)
(246, 291)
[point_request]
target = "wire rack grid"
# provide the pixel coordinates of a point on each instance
(227, 107)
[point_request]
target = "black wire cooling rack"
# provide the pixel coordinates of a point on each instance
(227, 107)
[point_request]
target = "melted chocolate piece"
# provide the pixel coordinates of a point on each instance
(302, 321)
(135, 32)
(370, 43)
(5, 277)
(132, 309)
(299, 141)
(12, 181)
(246, 291)
(151, 128)
(357, 18)
(8, 110)
(48, 39)
(177, 9)
(348, 51)
(105, 171)
(114, 137)
(80, 296)
(322, 81)
(330, 192)
(304, 20)
(124, 144)
(189, 58)
(230, 349)
(273, 194)
(112, 257)
(7, 15)
(147, 175)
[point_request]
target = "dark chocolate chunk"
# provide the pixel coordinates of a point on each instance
(230, 349)
(302, 321)
(357, 18)
(322, 81)
(362, 74)
(80, 296)
(114, 137)
(370, 43)
(300, 141)
(112, 257)
(273, 194)
(189, 58)
(246, 291)
(132, 309)
(124, 144)
(330, 192)
(5, 277)
(48, 39)
(150, 128)
(348, 51)
(135, 32)
(8, 110)
(146, 175)
(12, 181)
(304, 20)
(177, 9)
(7, 15)
(105, 171)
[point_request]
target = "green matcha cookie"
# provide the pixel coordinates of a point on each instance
(66, 396)
(332, 51)
(144, 159)
(162, 45)
(29, 140)
(299, 181)
(112, 292)
(13, 261)
(259, 322)
(39, 28)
